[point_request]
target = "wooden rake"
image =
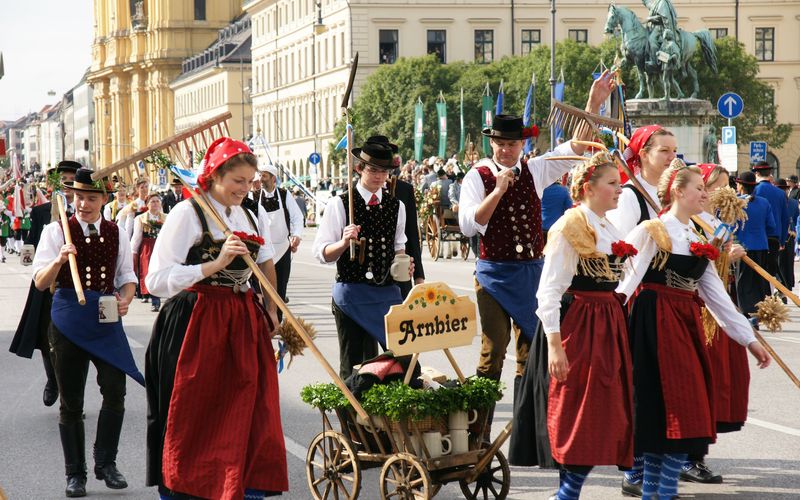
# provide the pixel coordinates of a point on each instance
(573, 120)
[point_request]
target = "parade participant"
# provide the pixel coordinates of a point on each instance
(751, 288)
(112, 209)
(786, 263)
(404, 192)
(580, 372)
(673, 413)
(145, 231)
(500, 200)
(213, 419)
(649, 153)
(285, 225)
(77, 334)
(731, 375)
(780, 213)
(300, 199)
(136, 207)
(5, 228)
(555, 201)
(32, 330)
(173, 196)
(364, 289)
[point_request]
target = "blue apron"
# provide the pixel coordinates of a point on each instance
(513, 285)
(367, 305)
(80, 324)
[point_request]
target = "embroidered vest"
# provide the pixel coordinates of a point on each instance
(97, 258)
(514, 232)
(378, 226)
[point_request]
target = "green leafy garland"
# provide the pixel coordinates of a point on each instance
(159, 159)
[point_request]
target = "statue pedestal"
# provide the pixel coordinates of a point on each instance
(688, 119)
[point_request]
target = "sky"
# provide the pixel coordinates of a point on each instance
(46, 45)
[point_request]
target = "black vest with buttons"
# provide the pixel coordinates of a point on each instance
(378, 225)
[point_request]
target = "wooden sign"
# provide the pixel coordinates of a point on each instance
(432, 318)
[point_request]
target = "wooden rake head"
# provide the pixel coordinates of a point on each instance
(573, 120)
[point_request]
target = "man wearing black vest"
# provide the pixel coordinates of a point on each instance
(173, 196)
(285, 225)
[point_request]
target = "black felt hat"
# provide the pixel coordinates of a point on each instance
(782, 184)
(505, 127)
(375, 154)
(83, 182)
(762, 166)
(747, 178)
(66, 166)
(382, 139)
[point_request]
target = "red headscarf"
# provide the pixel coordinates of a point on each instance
(220, 151)
(706, 168)
(638, 140)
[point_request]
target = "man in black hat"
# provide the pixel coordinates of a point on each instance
(364, 289)
(32, 329)
(404, 192)
(173, 196)
(786, 260)
(794, 190)
(780, 212)
(76, 334)
(501, 201)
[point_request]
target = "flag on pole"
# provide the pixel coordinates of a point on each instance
(342, 142)
(461, 119)
(486, 117)
(18, 207)
(16, 167)
(559, 96)
(500, 96)
(2, 68)
(441, 114)
(526, 115)
(418, 130)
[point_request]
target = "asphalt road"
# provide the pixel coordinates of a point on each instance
(762, 461)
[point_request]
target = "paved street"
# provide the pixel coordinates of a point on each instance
(762, 461)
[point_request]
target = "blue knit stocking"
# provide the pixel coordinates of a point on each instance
(652, 475)
(634, 475)
(670, 470)
(570, 484)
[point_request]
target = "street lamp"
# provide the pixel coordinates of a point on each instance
(552, 67)
(318, 29)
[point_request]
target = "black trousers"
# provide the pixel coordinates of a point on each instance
(355, 344)
(787, 263)
(71, 364)
(283, 269)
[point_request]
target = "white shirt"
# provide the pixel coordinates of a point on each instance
(332, 226)
(278, 231)
(627, 214)
(473, 191)
(138, 231)
(710, 287)
(168, 274)
(125, 219)
(53, 239)
(560, 266)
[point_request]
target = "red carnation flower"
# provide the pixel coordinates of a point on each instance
(249, 237)
(528, 132)
(706, 250)
(623, 249)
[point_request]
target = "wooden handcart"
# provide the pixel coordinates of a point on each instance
(441, 227)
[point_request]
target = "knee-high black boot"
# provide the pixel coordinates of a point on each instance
(109, 426)
(73, 441)
(50, 394)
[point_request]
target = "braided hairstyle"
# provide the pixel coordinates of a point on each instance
(676, 176)
(588, 171)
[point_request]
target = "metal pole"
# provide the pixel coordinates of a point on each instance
(552, 67)
(513, 29)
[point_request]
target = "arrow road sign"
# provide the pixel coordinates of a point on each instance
(730, 105)
(314, 158)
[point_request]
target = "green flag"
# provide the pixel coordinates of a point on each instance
(441, 114)
(418, 130)
(486, 118)
(461, 119)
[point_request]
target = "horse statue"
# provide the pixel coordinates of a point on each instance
(636, 49)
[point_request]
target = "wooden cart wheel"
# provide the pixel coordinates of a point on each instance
(404, 477)
(433, 237)
(332, 467)
(465, 248)
(493, 482)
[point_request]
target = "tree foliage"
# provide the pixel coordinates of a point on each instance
(385, 103)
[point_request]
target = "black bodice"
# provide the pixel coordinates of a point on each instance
(237, 272)
(583, 282)
(378, 225)
(681, 271)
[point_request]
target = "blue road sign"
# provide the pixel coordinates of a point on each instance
(728, 135)
(758, 152)
(730, 105)
(314, 158)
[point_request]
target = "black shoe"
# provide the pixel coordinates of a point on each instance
(111, 475)
(50, 393)
(631, 489)
(76, 486)
(155, 308)
(700, 473)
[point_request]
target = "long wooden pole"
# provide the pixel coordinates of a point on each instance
(350, 194)
(202, 200)
(73, 262)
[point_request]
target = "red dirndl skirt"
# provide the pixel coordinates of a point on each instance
(590, 415)
(731, 382)
(145, 252)
(224, 427)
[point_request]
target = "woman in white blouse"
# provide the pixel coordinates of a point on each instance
(671, 368)
(577, 385)
(214, 428)
(145, 231)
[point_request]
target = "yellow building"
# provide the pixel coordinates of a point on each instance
(300, 71)
(137, 51)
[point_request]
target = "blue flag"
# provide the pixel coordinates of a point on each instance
(498, 110)
(526, 117)
(343, 141)
(559, 95)
(187, 176)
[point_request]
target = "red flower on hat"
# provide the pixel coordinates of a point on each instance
(528, 132)
(220, 151)
(706, 250)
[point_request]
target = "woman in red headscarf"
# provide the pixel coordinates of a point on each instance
(214, 428)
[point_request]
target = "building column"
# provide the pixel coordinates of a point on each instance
(102, 138)
(119, 90)
(139, 110)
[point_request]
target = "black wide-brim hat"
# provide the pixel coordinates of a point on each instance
(747, 178)
(762, 166)
(83, 182)
(66, 166)
(505, 127)
(375, 154)
(382, 139)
